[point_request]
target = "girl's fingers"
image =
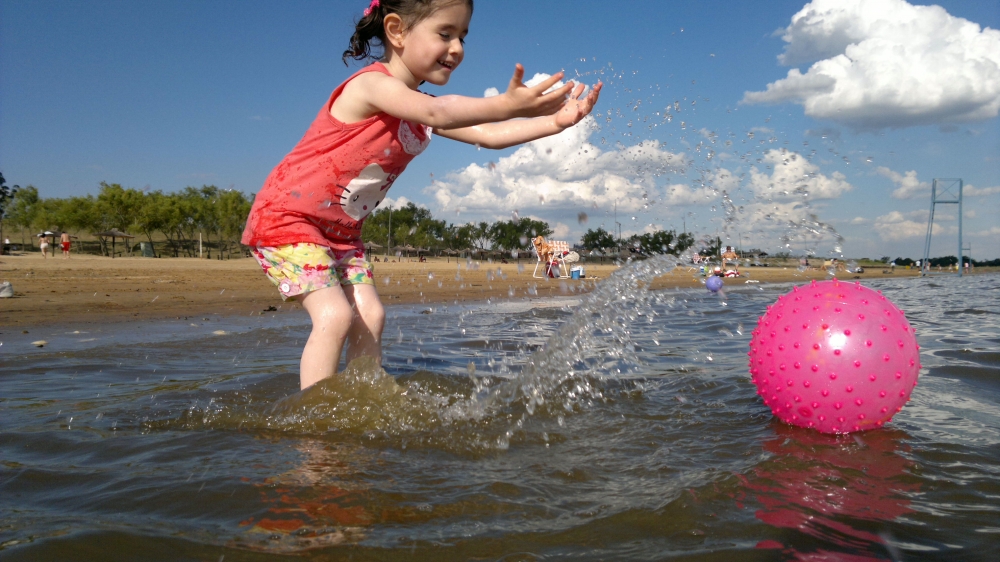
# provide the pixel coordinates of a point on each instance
(548, 82)
(596, 92)
(559, 94)
(516, 79)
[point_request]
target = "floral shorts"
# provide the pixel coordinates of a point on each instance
(300, 268)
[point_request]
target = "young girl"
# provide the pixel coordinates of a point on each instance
(305, 224)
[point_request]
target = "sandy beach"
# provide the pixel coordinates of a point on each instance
(87, 289)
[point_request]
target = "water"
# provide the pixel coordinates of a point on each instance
(619, 425)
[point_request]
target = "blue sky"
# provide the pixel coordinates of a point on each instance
(165, 94)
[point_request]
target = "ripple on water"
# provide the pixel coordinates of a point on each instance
(615, 428)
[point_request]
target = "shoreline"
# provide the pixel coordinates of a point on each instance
(89, 289)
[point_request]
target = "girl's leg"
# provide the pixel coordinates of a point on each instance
(331, 317)
(365, 335)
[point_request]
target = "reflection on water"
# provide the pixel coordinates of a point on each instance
(621, 424)
(839, 490)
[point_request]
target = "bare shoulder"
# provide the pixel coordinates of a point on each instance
(353, 103)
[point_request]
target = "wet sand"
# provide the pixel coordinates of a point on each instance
(92, 289)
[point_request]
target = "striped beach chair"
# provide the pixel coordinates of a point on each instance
(558, 248)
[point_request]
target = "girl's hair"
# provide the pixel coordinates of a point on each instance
(369, 28)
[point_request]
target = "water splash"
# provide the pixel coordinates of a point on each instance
(573, 368)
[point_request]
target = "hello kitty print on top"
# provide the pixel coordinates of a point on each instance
(365, 192)
(413, 143)
(337, 175)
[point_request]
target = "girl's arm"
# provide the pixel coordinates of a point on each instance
(375, 92)
(514, 132)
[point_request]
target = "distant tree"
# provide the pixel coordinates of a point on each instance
(118, 208)
(945, 261)
(63, 215)
(516, 235)
(376, 227)
(7, 194)
(714, 248)
(410, 225)
(599, 239)
(203, 217)
(82, 214)
(479, 236)
(659, 242)
(232, 209)
(684, 241)
(176, 216)
(884, 259)
(22, 211)
(152, 216)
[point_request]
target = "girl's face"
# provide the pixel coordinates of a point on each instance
(434, 47)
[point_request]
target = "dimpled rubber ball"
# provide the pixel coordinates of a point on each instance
(837, 357)
(713, 283)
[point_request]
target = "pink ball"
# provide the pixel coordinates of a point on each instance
(834, 356)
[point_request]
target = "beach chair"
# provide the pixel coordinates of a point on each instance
(550, 255)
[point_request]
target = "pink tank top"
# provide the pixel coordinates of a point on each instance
(334, 177)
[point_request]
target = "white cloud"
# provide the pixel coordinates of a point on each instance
(897, 226)
(860, 220)
(887, 63)
(563, 171)
(794, 177)
(969, 190)
(682, 194)
(397, 203)
(908, 185)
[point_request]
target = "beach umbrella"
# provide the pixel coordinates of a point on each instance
(372, 246)
(114, 234)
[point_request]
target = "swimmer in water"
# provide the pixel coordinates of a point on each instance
(305, 224)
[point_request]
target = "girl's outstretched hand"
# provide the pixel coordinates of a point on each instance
(575, 108)
(533, 101)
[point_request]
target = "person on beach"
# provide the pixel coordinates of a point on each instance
(729, 256)
(305, 224)
(43, 245)
(65, 243)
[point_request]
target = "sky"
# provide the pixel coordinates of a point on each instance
(772, 125)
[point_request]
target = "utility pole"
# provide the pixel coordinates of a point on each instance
(619, 226)
(388, 239)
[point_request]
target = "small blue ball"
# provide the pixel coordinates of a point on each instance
(713, 283)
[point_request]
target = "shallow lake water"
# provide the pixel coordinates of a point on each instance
(620, 424)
